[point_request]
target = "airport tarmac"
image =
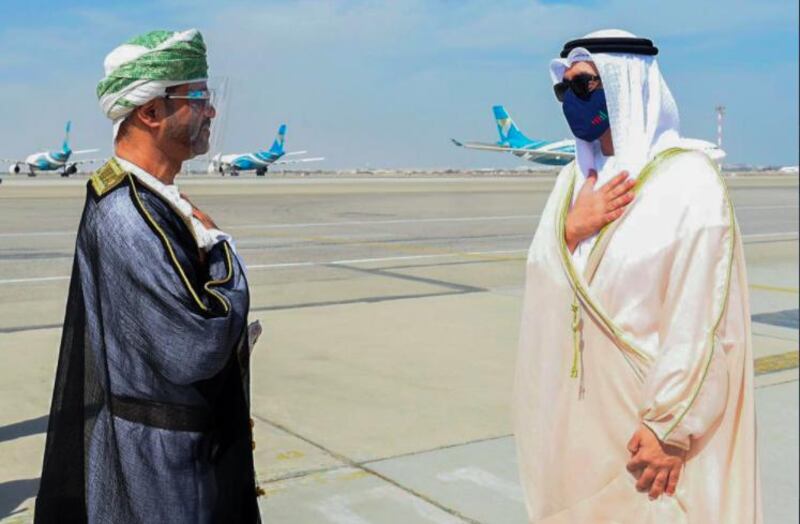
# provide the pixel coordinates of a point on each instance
(381, 386)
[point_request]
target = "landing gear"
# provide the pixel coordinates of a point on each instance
(234, 172)
(261, 172)
(31, 172)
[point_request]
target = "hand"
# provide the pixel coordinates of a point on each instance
(594, 209)
(199, 215)
(656, 466)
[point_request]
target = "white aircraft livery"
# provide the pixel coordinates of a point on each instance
(259, 161)
(558, 153)
(52, 160)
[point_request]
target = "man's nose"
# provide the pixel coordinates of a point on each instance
(211, 111)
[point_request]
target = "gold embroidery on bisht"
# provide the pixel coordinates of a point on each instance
(109, 176)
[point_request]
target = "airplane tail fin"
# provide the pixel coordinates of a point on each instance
(277, 145)
(510, 135)
(65, 145)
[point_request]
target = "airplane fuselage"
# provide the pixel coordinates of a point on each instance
(562, 146)
(48, 160)
(250, 161)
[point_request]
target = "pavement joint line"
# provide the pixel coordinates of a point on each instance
(408, 249)
(776, 363)
(306, 472)
(770, 335)
(455, 263)
(364, 300)
(412, 278)
(356, 465)
(439, 448)
(35, 327)
(782, 382)
(302, 473)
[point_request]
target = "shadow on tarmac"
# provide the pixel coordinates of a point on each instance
(23, 429)
(13, 493)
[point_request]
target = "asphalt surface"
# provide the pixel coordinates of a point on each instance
(381, 385)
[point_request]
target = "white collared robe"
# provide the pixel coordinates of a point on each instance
(655, 331)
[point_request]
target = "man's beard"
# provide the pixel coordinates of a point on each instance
(195, 137)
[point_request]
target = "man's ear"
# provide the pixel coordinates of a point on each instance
(151, 114)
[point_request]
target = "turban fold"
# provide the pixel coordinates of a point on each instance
(144, 67)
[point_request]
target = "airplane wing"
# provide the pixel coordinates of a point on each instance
(295, 153)
(84, 151)
(531, 153)
(86, 161)
(298, 160)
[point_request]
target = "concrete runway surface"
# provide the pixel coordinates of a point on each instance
(382, 383)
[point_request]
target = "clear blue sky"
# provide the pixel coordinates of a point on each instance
(386, 84)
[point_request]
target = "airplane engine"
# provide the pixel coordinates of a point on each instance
(14, 169)
(71, 169)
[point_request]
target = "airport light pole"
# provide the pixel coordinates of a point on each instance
(720, 114)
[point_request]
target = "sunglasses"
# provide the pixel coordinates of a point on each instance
(200, 96)
(579, 85)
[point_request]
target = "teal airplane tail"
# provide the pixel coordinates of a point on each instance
(510, 135)
(65, 146)
(277, 145)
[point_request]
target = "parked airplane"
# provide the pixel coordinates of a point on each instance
(52, 160)
(559, 153)
(259, 161)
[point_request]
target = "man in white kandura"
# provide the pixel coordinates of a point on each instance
(634, 382)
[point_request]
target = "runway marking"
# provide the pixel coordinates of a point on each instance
(485, 255)
(763, 207)
(339, 508)
(37, 234)
(381, 222)
(775, 363)
(762, 287)
(364, 300)
(402, 276)
(484, 480)
(362, 467)
(381, 259)
(314, 224)
(33, 279)
(360, 223)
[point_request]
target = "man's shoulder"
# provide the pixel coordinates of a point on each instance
(689, 184)
(109, 177)
(695, 169)
(114, 193)
(110, 209)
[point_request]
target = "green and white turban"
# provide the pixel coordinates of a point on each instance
(144, 67)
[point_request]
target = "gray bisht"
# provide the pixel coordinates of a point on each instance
(150, 414)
